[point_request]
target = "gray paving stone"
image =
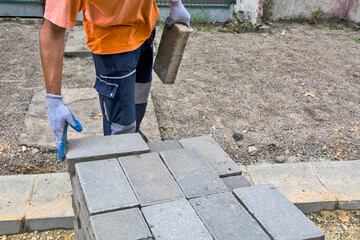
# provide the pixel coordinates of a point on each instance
(297, 182)
(79, 210)
(104, 186)
(175, 220)
(150, 179)
(84, 104)
(193, 174)
(76, 44)
(234, 182)
(164, 146)
(212, 152)
(280, 218)
(105, 147)
(50, 190)
(170, 52)
(225, 218)
(124, 224)
(15, 192)
(342, 179)
(78, 234)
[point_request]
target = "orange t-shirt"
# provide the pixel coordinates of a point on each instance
(111, 26)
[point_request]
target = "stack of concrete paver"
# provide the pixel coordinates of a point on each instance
(186, 189)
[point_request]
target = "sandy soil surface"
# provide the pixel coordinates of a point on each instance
(293, 91)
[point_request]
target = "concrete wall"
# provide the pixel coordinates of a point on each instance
(215, 14)
(303, 9)
(21, 10)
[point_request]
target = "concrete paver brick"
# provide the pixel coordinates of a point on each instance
(11, 218)
(15, 192)
(342, 179)
(79, 209)
(76, 44)
(297, 182)
(170, 52)
(225, 218)
(150, 179)
(280, 218)
(193, 174)
(164, 146)
(96, 148)
(212, 152)
(175, 220)
(124, 224)
(50, 203)
(104, 186)
(234, 182)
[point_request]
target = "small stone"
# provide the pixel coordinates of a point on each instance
(43, 238)
(23, 148)
(280, 159)
(3, 238)
(253, 151)
(238, 137)
(35, 151)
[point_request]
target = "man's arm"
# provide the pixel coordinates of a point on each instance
(52, 50)
(52, 39)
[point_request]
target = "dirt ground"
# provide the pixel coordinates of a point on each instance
(293, 91)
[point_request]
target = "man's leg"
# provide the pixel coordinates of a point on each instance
(115, 83)
(143, 78)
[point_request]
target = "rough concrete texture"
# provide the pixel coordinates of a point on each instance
(25, 9)
(343, 180)
(280, 218)
(212, 152)
(105, 147)
(170, 52)
(104, 186)
(248, 10)
(225, 218)
(150, 179)
(79, 209)
(75, 45)
(193, 174)
(164, 146)
(175, 220)
(297, 182)
(354, 14)
(84, 104)
(50, 190)
(15, 193)
(125, 224)
(293, 9)
(234, 182)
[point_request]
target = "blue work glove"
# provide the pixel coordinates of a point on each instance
(178, 14)
(59, 117)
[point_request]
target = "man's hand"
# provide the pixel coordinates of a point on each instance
(178, 13)
(59, 117)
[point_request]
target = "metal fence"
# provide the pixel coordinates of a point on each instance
(200, 3)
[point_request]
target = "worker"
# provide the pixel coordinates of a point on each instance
(119, 34)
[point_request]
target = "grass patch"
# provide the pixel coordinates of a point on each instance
(330, 27)
(206, 28)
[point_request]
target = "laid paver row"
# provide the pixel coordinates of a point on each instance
(313, 187)
(35, 203)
